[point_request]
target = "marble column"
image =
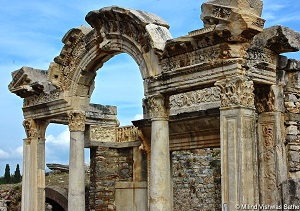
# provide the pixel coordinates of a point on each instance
(160, 176)
(238, 144)
(76, 194)
(33, 181)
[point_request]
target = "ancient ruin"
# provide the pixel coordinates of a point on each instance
(221, 113)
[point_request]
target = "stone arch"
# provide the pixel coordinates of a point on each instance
(57, 196)
(115, 30)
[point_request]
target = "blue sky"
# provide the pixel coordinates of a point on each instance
(31, 33)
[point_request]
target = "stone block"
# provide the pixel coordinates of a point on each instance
(282, 62)
(294, 156)
(291, 192)
(292, 130)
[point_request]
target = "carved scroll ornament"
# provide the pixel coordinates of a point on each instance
(236, 91)
(76, 120)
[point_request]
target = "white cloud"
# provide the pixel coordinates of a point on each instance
(138, 116)
(12, 154)
(3, 155)
(18, 152)
(62, 139)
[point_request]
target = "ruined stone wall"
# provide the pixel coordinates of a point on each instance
(291, 79)
(197, 179)
(108, 166)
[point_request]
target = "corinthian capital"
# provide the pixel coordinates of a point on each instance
(76, 120)
(157, 106)
(35, 128)
(236, 92)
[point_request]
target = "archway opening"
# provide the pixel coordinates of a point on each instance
(57, 149)
(119, 83)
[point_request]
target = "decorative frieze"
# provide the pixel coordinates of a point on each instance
(76, 120)
(41, 98)
(195, 99)
(197, 57)
(126, 133)
(256, 56)
(204, 54)
(221, 12)
(102, 133)
(236, 91)
(113, 134)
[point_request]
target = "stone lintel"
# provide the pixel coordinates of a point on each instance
(191, 130)
(116, 145)
(131, 185)
(192, 78)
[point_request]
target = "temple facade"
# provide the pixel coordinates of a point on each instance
(220, 129)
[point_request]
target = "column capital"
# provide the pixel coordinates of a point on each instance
(76, 120)
(157, 106)
(236, 91)
(35, 128)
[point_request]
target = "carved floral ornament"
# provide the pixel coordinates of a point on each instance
(76, 120)
(30, 128)
(34, 128)
(194, 98)
(157, 106)
(236, 91)
(113, 134)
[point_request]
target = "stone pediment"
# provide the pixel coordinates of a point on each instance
(279, 39)
(28, 81)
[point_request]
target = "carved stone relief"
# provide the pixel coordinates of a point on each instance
(102, 133)
(194, 100)
(236, 91)
(76, 120)
(41, 98)
(71, 55)
(264, 99)
(113, 134)
(267, 174)
(127, 133)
